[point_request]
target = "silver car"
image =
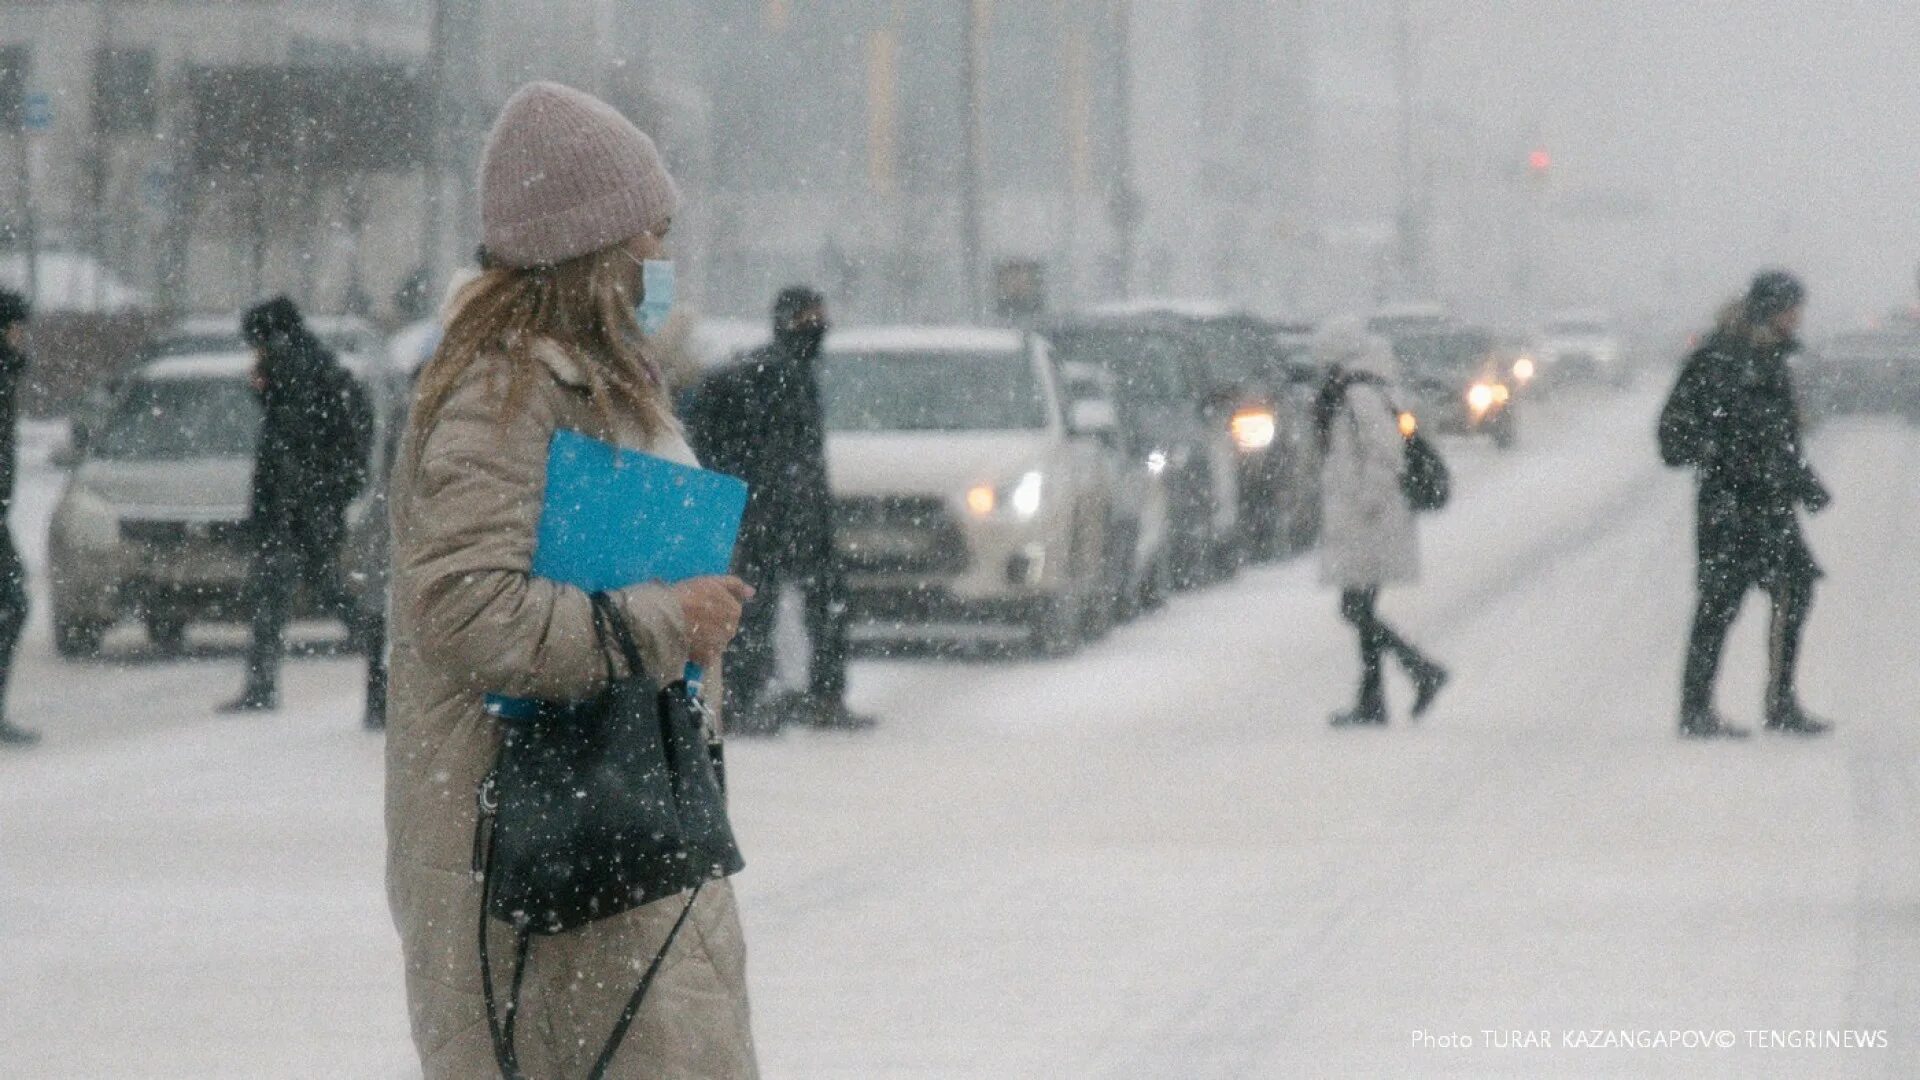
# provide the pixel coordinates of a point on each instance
(151, 523)
(969, 487)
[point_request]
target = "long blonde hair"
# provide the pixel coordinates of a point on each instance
(583, 305)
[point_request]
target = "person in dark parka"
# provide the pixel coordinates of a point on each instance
(315, 442)
(14, 312)
(1733, 419)
(760, 420)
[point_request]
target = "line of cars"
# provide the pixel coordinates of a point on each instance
(1059, 479)
(1873, 371)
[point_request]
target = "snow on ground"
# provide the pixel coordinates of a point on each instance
(1151, 860)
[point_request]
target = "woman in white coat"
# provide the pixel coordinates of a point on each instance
(1369, 539)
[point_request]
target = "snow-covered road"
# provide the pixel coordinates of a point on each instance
(1151, 860)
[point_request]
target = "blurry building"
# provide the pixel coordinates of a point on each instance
(207, 153)
(829, 143)
(1224, 148)
(210, 152)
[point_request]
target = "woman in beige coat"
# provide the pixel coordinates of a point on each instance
(573, 199)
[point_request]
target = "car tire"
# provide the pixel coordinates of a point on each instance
(1057, 627)
(167, 631)
(1156, 586)
(1506, 434)
(78, 639)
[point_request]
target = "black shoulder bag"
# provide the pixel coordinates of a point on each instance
(592, 809)
(1426, 482)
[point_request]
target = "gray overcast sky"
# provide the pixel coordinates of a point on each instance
(1765, 130)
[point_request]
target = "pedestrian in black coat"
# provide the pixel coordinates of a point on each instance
(314, 451)
(1733, 419)
(760, 420)
(14, 312)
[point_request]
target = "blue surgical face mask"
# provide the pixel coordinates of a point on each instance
(656, 289)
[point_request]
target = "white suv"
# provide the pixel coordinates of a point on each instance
(968, 487)
(1582, 347)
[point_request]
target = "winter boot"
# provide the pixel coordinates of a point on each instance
(255, 699)
(1361, 717)
(1429, 679)
(835, 716)
(1369, 711)
(12, 734)
(754, 717)
(1706, 724)
(1788, 718)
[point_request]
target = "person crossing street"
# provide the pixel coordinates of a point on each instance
(761, 420)
(312, 462)
(1732, 418)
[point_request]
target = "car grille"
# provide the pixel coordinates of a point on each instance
(899, 534)
(176, 535)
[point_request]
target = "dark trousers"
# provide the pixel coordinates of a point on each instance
(1718, 605)
(13, 607)
(750, 659)
(281, 566)
(374, 640)
(1377, 642)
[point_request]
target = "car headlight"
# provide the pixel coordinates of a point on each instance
(1022, 497)
(1254, 429)
(1480, 397)
(1524, 370)
(1026, 494)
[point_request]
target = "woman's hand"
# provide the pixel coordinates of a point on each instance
(711, 607)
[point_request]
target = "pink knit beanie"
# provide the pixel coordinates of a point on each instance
(566, 175)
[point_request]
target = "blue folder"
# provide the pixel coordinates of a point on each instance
(615, 517)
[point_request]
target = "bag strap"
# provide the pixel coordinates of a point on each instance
(632, 1010)
(499, 1027)
(500, 1022)
(612, 628)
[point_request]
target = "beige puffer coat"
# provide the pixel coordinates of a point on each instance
(470, 620)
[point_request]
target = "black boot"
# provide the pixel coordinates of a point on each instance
(12, 734)
(753, 716)
(1704, 723)
(1362, 715)
(1784, 714)
(835, 716)
(1429, 679)
(1369, 711)
(1788, 718)
(255, 699)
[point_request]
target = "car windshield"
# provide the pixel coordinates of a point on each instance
(181, 419)
(1872, 348)
(349, 342)
(1242, 354)
(927, 390)
(1146, 365)
(1441, 354)
(1578, 330)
